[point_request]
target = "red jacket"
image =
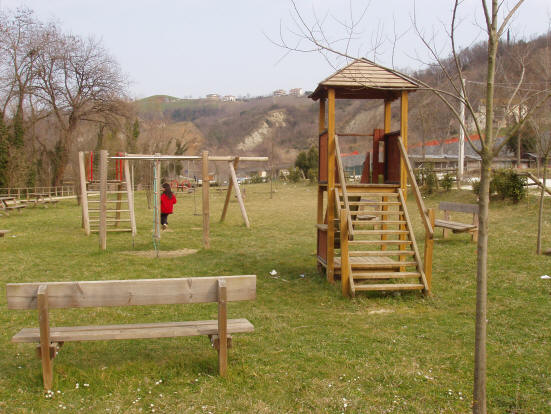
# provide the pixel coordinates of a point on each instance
(167, 203)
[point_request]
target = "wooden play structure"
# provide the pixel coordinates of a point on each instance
(106, 217)
(364, 231)
(43, 296)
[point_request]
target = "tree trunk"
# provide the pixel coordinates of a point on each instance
(540, 213)
(479, 393)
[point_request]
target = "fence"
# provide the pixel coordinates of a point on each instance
(25, 192)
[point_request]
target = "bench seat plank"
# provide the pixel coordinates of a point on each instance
(454, 225)
(133, 331)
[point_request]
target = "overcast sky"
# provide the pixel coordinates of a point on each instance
(195, 47)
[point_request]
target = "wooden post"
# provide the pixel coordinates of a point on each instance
(321, 120)
(205, 191)
(130, 195)
(222, 328)
(429, 244)
(387, 117)
(230, 187)
(404, 135)
(83, 194)
(345, 265)
(103, 200)
(446, 231)
(44, 324)
(157, 199)
(239, 197)
(331, 186)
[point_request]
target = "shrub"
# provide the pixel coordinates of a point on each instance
(447, 182)
(294, 175)
(505, 184)
(429, 179)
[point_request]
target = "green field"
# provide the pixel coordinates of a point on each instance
(313, 351)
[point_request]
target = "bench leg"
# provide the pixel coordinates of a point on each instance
(222, 328)
(47, 361)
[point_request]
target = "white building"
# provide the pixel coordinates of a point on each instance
(296, 92)
(229, 98)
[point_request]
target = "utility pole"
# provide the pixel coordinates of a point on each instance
(461, 151)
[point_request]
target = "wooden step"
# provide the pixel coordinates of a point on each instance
(381, 253)
(371, 242)
(377, 212)
(382, 265)
(381, 232)
(389, 286)
(373, 222)
(385, 275)
(374, 203)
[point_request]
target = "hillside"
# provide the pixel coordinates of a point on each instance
(281, 126)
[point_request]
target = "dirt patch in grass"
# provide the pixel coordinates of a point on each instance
(152, 254)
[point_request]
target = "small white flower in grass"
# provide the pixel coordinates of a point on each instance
(77, 385)
(273, 272)
(301, 275)
(86, 385)
(545, 277)
(152, 405)
(59, 392)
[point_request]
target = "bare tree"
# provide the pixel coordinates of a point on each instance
(77, 81)
(496, 21)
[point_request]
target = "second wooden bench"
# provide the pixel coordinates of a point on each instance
(456, 226)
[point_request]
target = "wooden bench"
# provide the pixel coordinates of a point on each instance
(11, 203)
(458, 227)
(52, 295)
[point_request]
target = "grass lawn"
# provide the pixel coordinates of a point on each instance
(313, 351)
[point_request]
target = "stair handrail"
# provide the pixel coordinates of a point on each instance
(343, 186)
(420, 204)
(347, 281)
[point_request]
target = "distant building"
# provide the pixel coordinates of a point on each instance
(213, 97)
(229, 98)
(280, 92)
(296, 92)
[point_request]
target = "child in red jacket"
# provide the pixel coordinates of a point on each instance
(168, 199)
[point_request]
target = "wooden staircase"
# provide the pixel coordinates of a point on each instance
(379, 251)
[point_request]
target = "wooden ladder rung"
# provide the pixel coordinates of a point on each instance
(111, 220)
(110, 211)
(371, 203)
(113, 230)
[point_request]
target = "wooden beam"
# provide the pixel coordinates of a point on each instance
(239, 196)
(387, 116)
(331, 186)
(44, 326)
(345, 261)
(130, 195)
(103, 200)
(429, 244)
(404, 135)
(83, 193)
(228, 194)
(321, 120)
(205, 192)
(222, 328)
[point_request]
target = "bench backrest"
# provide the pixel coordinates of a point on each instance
(131, 292)
(458, 207)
